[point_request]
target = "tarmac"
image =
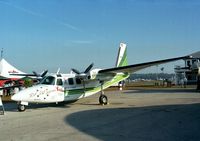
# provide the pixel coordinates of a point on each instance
(131, 115)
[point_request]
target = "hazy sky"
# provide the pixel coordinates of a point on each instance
(48, 34)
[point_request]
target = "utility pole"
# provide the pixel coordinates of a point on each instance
(1, 103)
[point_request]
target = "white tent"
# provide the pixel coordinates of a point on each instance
(6, 69)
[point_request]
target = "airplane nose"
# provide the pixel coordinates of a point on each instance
(15, 97)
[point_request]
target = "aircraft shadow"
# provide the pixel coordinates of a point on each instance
(155, 123)
(12, 106)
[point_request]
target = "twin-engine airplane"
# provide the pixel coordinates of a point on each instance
(76, 85)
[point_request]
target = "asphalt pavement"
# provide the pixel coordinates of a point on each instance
(139, 115)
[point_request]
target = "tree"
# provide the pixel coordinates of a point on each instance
(28, 82)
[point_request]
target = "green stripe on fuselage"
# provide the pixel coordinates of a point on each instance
(116, 79)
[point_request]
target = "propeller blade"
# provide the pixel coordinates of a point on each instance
(44, 73)
(76, 71)
(89, 68)
(35, 73)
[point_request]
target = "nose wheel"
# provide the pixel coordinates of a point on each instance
(21, 108)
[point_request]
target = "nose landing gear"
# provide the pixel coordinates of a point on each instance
(21, 108)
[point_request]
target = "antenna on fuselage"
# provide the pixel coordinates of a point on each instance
(58, 71)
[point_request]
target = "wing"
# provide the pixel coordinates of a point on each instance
(25, 75)
(137, 67)
(34, 74)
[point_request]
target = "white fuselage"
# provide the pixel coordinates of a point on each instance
(64, 87)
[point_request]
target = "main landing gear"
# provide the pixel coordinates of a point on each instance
(21, 108)
(103, 100)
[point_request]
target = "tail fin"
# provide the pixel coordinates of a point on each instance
(122, 56)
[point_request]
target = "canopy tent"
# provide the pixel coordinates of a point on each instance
(6, 69)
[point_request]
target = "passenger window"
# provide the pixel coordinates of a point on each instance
(71, 81)
(59, 82)
(78, 81)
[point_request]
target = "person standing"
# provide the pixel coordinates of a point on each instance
(1, 103)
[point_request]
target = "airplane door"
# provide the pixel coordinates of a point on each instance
(60, 88)
(59, 84)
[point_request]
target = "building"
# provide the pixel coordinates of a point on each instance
(190, 72)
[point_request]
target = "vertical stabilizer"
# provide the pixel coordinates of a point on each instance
(122, 56)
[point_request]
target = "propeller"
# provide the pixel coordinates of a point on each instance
(44, 73)
(36, 74)
(76, 71)
(89, 68)
(83, 74)
(39, 76)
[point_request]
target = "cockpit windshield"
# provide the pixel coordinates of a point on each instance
(49, 80)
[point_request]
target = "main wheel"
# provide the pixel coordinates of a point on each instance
(21, 107)
(103, 100)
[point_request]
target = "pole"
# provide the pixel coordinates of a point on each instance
(2, 53)
(1, 104)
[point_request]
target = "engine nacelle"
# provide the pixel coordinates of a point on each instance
(93, 73)
(88, 76)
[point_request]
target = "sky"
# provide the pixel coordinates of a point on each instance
(40, 34)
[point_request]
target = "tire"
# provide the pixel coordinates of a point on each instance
(21, 108)
(103, 100)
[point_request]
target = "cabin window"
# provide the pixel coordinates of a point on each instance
(78, 81)
(59, 82)
(49, 80)
(71, 81)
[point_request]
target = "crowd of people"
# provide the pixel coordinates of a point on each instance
(12, 87)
